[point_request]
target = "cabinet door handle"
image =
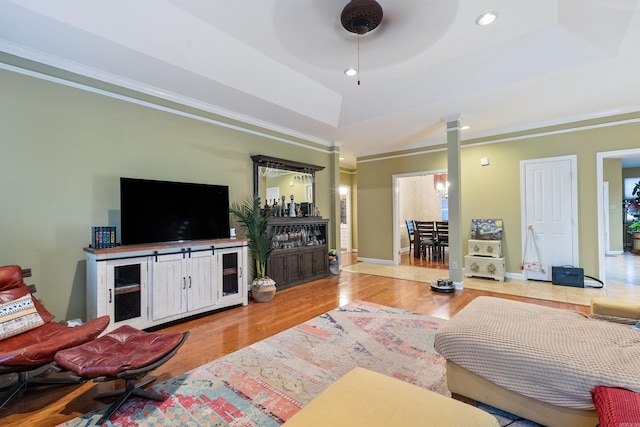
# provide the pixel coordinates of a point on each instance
(110, 297)
(189, 282)
(184, 283)
(239, 271)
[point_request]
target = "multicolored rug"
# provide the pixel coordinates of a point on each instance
(266, 383)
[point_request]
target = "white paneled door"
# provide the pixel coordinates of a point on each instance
(549, 205)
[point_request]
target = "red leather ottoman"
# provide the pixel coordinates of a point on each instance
(125, 353)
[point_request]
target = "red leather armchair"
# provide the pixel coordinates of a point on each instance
(33, 349)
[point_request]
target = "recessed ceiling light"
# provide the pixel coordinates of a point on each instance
(350, 72)
(487, 18)
(465, 127)
(341, 158)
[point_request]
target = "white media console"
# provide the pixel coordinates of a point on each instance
(148, 285)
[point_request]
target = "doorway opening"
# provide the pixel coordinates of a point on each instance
(415, 197)
(612, 217)
(345, 219)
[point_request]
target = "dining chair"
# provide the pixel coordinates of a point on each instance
(442, 233)
(426, 238)
(410, 230)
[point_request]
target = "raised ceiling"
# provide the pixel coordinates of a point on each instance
(280, 63)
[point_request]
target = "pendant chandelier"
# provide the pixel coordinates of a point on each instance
(440, 184)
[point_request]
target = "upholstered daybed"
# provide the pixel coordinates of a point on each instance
(364, 398)
(538, 362)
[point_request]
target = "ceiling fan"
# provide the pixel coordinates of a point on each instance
(361, 16)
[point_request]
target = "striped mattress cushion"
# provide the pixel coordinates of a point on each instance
(553, 355)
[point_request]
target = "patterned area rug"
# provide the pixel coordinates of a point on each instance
(266, 383)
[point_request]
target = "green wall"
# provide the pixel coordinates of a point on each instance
(612, 173)
(494, 191)
(63, 150)
(375, 198)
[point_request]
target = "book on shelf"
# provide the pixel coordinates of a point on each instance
(103, 237)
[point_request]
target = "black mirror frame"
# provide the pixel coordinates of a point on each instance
(274, 162)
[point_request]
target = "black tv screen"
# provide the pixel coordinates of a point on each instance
(163, 211)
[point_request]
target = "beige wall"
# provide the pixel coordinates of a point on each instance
(612, 173)
(494, 191)
(418, 200)
(63, 151)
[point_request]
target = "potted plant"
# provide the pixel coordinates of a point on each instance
(253, 220)
(634, 210)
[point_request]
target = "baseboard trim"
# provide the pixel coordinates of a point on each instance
(519, 276)
(376, 261)
(613, 253)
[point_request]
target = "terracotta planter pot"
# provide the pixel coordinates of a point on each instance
(263, 290)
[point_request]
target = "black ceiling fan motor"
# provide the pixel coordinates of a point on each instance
(361, 16)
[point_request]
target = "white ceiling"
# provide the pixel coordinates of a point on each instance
(280, 63)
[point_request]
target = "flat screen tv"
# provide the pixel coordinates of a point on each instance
(163, 211)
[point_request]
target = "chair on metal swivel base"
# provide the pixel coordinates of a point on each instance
(125, 353)
(29, 338)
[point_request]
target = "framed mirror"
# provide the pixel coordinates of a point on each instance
(274, 178)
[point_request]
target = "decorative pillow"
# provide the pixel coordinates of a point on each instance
(616, 406)
(13, 294)
(18, 316)
(42, 311)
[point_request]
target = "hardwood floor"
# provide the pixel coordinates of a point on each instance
(221, 333)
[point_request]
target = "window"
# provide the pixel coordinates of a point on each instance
(629, 183)
(445, 207)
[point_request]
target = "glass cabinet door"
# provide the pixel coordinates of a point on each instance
(230, 278)
(126, 291)
(230, 272)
